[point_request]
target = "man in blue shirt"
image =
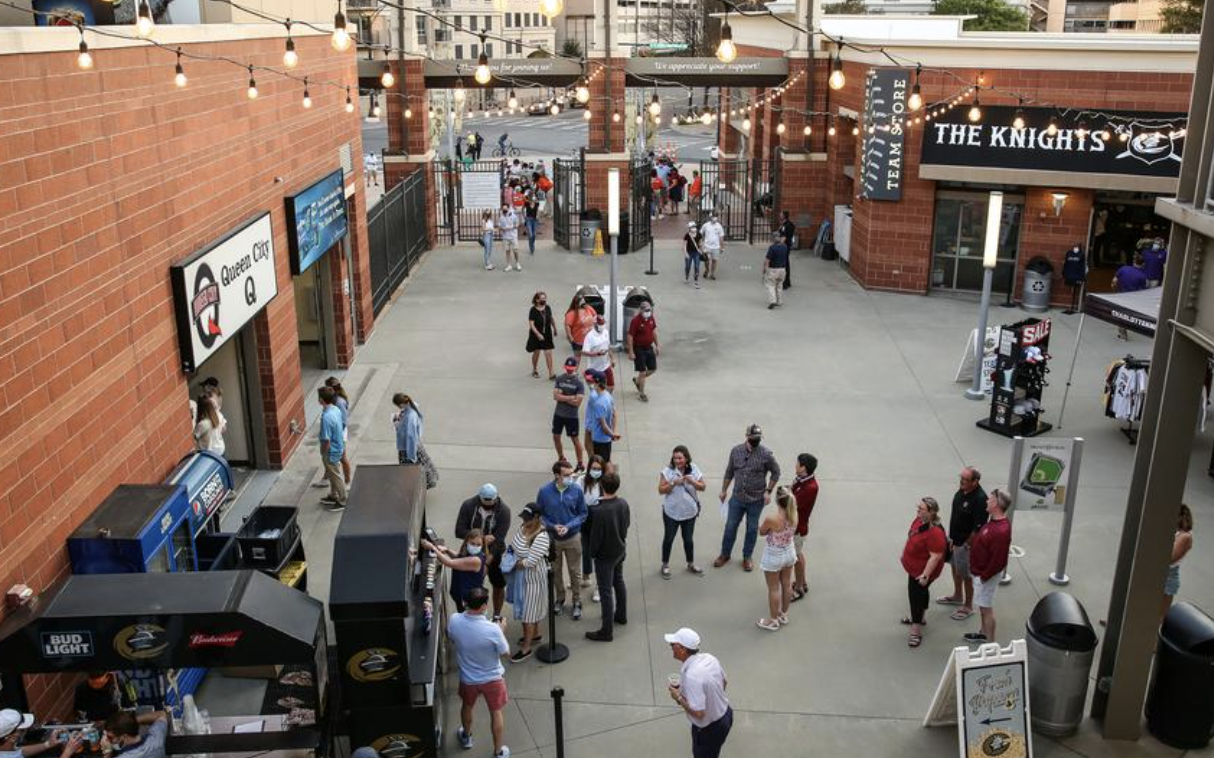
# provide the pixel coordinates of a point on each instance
(332, 447)
(1153, 259)
(479, 647)
(562, 507)
(122, 731)
(600, 415)
(14, 723)
(1131, 278)
(775, 268)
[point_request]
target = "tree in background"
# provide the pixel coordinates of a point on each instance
(572, 48)
(1181, 16)
(845, 8)
(992, 15)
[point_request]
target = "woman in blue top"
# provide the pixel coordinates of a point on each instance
(343, 405)
(467, 566)
(408, 421)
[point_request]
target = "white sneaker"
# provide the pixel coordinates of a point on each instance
(503, 753)
(518, 267)
(509, 267)
(595, 597)
(489, 267)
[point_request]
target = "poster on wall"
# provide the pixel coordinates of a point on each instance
(316, 220)
(1138, 144)
(481, 189)
(220, 288)
(884, 141)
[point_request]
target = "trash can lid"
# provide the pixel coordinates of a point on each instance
(1189, 629)
(638, 295)
(1039, 264)
(1058, 620)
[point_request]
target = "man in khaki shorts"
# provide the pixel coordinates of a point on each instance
(967, 517)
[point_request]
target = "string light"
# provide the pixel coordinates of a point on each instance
(483, 75)
(512, 101)
(830, 130)
(640, 119)
(408, 113)
(85, 59)
(387, 78)
(727, 51)
(350, 103)
(307, 100)
(706, 118)
(837, 79)
(855, 130)
(916, 98)
(1018, 121)
(341, 36)
(179, 73)
(290, 58)
(655, 106)
(144, 25)
(252, 93)
(583, 92)
(975, 113)
(746, 124)
(555, 109)
(780, 128)
(551, 8)
(1083, 129)
(615, 117)
(1124, 137)
(586, 114)
(808, 130)
(1052, 128)
(459, 93)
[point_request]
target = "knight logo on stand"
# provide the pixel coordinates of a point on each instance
(204, 307)
(399, 746)
(374, 664)
(141, 641)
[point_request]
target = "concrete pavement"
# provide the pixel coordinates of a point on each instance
(861, 379)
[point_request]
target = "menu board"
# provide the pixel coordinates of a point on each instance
(985, 693)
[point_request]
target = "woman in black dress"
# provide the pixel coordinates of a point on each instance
(540, 332)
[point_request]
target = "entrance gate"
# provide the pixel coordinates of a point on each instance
(765, 199)
(640, 230)
(455, 222)
(745, 196)
(568, 197)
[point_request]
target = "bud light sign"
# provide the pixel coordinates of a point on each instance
(67, 644)
(316, 220)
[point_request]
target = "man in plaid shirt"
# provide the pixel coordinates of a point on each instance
(748, 468)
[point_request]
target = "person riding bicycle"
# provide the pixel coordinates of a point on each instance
(501, 142)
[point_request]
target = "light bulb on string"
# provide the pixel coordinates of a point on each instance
(512, 101)
(837, 79)
(307, 98)
(1123, 136)
(586, 114)
(830, 130)
(808, 130)
(349, 102)
(144, 25)
(727, 51)
(1082, 131)
(459, 93)
(975, 113)
(252, 91)
(408, 113)
(85, 59)
(780, 128)
(1052, 128)
(855, 130)
(1018, 120)
(706, 118)
(916, 98)
(483, 75)
(290, 58)
(179, 72)
(555, 109)
(341, 36)
(746, 124)
(387, 78)
(551, 8)
(655, 105)
(615, 117)
(583, 92)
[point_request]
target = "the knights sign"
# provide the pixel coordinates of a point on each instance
(1138, 144)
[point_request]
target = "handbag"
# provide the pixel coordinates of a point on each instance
(509, 560)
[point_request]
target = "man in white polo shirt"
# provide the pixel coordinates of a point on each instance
(700, 692)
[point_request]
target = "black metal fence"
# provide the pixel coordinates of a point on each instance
(745, 195)
(639, 219)
(568, 201)
(765, 198)
(396, 230)
(455, 222)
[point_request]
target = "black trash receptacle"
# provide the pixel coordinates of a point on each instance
(593, 298)
(625, 240)
(1180, 703)
(632, 302)
(1061, 646)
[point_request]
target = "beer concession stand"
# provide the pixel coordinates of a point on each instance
(158, 620)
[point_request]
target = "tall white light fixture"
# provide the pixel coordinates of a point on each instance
(990, 256)
(613, 231)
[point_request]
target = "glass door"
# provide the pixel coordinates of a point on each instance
(183, 547)
(959, 236)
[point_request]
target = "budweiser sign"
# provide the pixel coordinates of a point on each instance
(227, 639)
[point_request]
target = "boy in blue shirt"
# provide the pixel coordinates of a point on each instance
(600, 415)
(332, 448)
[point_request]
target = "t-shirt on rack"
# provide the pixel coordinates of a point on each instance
(1125, 392)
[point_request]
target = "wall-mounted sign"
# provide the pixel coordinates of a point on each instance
(883, 157)
(316, 220)
(221, 287)
(481, 189)
(1150, 147)
(67, 644)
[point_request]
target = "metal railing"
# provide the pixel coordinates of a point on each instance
(396, 231)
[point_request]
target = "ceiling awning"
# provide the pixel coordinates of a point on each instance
(162, 620)
(1135, 311)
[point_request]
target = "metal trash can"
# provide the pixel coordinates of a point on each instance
(1180, 702)
(591, 221)
(1061, 646)
(1038, 275)
(632, 303)
(593, 298)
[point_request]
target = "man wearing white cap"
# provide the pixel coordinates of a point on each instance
(700, 692)
(487, 512)
(13, 723)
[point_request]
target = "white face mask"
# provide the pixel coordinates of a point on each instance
(474, 550)
(595, 473)
(598, 328)
(567, 481)
(646, 314)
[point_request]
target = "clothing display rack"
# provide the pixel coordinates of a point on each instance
(1125, 392)
(1019, 380)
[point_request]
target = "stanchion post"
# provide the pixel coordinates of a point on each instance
(552, 651)
(558, 718)
(652, 271)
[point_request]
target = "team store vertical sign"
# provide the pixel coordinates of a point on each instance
(884, 154)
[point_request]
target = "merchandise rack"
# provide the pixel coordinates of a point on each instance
(1019, 383)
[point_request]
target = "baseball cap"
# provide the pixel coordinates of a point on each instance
(598, 377)
(754, 429)
(600, 320)
(571, 364)
(528, 512)
(691, 225)
(11, 720)
(488, 491)
(685, 637)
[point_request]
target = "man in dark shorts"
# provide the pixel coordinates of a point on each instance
(486, 511)
(642, 344)
(568, 394)
(967, 517)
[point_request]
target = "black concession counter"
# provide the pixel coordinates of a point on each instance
(163, 621)
(386, 600)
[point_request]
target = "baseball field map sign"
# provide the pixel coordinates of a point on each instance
(985, 693)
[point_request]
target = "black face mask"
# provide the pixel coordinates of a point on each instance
(754, 441)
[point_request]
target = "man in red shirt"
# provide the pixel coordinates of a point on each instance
(805, 490)
(642, 345)
(988, 559)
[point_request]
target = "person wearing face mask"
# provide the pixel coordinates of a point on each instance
(679, 484)
(467, 566)
(562, 507)
(751, 465)
(13, 725)
(579, 320)
(507, 224)
(98, 697)
(592, 489)
(122, 731)
(1153, 259)
(642, 345)
(600, 415)
(540, 334)
(597, 349)
(485, 512)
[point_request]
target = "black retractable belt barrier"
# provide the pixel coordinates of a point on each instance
(559, 720)
(553, 651)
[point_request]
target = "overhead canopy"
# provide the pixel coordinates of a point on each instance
(163, 620)
(1135, 311)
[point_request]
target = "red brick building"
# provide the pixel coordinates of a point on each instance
(929, 239)
(108, 178)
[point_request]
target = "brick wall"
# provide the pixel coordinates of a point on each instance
(1043, 233)
(106, 178)
(604, 135)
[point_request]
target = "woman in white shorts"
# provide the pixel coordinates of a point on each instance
(779, 557)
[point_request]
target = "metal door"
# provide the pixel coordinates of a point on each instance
(568, 196)
(727, 193)
(640, 228)
(764, 199)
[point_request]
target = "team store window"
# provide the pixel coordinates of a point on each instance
(960, 234)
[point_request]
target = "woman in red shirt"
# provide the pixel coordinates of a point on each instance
(923, 560)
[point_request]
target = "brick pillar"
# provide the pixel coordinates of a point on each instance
(793, 102)
(606, 135)
(343, 331)
(408, 92)
(729, 136)
(359, 245)
(1043, 233)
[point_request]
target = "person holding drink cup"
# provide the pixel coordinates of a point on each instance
(699, 689)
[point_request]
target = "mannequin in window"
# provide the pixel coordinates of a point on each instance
(1074, 273)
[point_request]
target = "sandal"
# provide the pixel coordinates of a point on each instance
(915, 640)
(695, 569)
(961, 614)
(770, 625)
(797, 595)
(535, 375)
(783, 619)
(908, 621)
(948, 600)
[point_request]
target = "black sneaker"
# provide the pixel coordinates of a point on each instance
(974, 638)
(332, 505)
(598, 635)
(559, 608)
(520, 656)
(577, 611)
